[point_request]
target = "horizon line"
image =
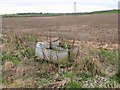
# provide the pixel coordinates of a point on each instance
(59, 13)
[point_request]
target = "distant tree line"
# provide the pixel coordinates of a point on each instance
(114, 11)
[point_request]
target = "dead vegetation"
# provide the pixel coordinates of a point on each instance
(20, 66)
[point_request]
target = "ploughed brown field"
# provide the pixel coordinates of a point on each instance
(97, 28)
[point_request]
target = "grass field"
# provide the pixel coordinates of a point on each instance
(106, 12)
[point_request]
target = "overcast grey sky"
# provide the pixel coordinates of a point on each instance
(55, 6)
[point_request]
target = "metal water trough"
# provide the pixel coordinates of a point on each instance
(43, 52)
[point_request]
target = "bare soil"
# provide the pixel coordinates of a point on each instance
(96, 28)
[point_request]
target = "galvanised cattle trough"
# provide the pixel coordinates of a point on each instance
(43, 50)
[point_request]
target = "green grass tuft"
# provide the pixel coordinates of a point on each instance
(73, 84)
